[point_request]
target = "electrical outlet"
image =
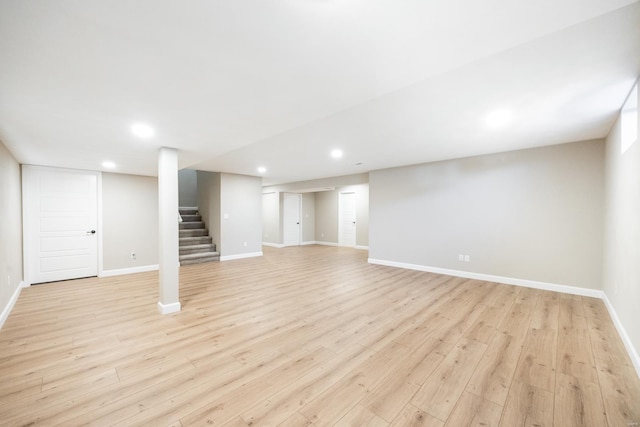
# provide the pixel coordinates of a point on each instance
(460, 257)
(245, 244)
(133, 255)
(466, 258)
(9, 279)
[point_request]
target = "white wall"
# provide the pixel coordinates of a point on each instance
(622, 230)
(308, 217)
(532, 215)
(241, 209)
(271, 221)
(187, 187)
(129, 221)
(209, 203)
(10, 231)
(327, 216)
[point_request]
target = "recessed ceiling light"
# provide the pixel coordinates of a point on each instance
(336, 154)
(262, 169)
(142, 130)
(498, 118)
(108, 165)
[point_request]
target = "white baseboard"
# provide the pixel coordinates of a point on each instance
(365, 248)
(310, 242)
(318, 242)
(595, 293)
(168, 308)
(12, 301)
(240, 256)
(631, 350)
(131, 270)
(273, 245)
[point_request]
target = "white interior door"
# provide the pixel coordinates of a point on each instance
(291, 220)
(60, 219)
(347, 220)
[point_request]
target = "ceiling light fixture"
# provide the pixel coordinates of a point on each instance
(498, 118)
(262, 169)
(336, 154)
(108, 164)
(142, 130)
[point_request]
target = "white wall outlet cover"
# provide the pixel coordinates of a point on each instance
(225, 216)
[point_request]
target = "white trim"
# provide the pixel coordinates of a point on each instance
(12, 301)
(130, 270)
(594, 293)
(365, 248)
(310, 242)
(325, 243)
(174, 307)
(240, 256)
(273, 245)
(633, 353)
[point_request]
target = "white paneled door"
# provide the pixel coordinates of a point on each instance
(291, 220)
(60, 213)
(347, 219)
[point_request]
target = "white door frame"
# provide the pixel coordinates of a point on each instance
(27, 232)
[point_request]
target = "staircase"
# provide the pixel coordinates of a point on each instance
(196, 245)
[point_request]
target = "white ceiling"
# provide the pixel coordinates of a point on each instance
(239, 84)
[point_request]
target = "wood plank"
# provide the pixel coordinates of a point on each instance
(537, 364)
(445, 385)
(492, 378)
(527, 406)
(390, 396)
(578, 403)
(361, 416)
(337, 400)
(621, 393)
(472, 410)
(575, 354)
(412, 416)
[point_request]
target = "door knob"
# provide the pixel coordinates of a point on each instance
(91, 232)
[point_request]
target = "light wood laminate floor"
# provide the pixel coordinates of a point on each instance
(312, 336)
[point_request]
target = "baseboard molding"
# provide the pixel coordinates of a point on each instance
(12, 301)
(310, 242)
(364, 248)
(168, 308)
(318, 242)
(240, 256)
(594, 293)
(273, 245)
(131, 270)
(631, 350)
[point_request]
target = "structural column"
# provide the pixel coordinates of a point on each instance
(168, 232)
